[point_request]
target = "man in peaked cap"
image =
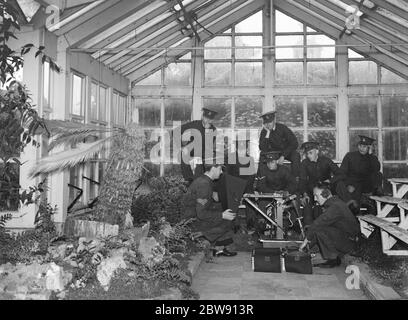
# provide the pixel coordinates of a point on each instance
(274, 177)
(315, 169)
(362, 171)
(215, 225)
(276, 136)
(206, 131)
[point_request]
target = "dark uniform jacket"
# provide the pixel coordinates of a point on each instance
(199, 204)
(280, 139)
(313, 172)
(336, 215)
(360, 169)
(271, 181)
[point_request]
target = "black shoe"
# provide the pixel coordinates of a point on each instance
(332, 263)
(224, 253)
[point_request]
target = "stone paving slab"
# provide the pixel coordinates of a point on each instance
(232, 278)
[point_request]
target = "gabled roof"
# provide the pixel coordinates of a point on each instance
(133, 37)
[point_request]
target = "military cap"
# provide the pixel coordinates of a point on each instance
(366, 140)
(210, 114)
(272, 155)
(268, 116)
(309, 145)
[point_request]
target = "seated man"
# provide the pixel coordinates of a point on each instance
(317, 168)
(276, 136)
(274, 177)
(362, 171)
(333, 231)
(215, 225)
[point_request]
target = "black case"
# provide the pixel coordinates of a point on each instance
(298, 262)
(266, 260)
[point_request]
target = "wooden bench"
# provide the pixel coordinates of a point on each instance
(390, 232)
(399, 187)
(385, 205)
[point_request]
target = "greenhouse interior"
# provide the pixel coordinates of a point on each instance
(204, 150)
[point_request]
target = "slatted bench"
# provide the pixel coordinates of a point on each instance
(390, 232)
(385, 204)
(399, 187)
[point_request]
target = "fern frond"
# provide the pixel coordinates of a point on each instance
(69, 139)
(69, 158)
(4, 218)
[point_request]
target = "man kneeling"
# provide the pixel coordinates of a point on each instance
(216, 226)
(334, 231)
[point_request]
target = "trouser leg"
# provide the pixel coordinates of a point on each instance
(331, 242)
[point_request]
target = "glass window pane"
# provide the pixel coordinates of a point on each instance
(187, 56)
(220, 41)
(103, 100)
(289, 53)
(395, 144)
(115, 106)
(353, 54)
(149, 112)
(77, 95)
(285, 23)
(363, 112)
(308, 29)
(248, 111)
(153, 79)
(354, 139)
(177, 110)
(320, 52)
(299, 135)
(251, 24)
(248, 41)
(394, 170)
(178, 74)
(322, 72)
(290, 73)
(290, 111)
(388, 76)
(93, 113)
(217, 73)
(248, 73)
(327, 140)
(362, 72)
(395, 111)
(223, 107)
(152, 138)
(46, 83)
(321, 112)
(10, 190)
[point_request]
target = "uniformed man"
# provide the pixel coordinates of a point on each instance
(317, 168)
(278, 137)
(272, 176)
(241, 165)
(215, 225)
(362, 171)
(206, 130)
(335, 231)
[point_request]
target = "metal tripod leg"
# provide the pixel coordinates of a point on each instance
(254, 206)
